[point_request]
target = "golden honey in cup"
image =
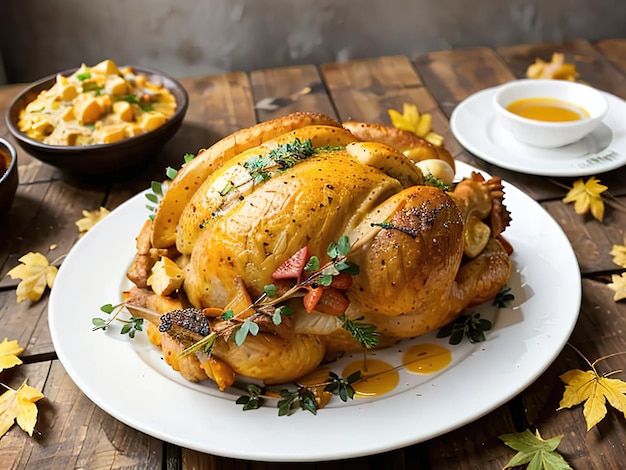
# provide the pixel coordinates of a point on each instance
(547, 109)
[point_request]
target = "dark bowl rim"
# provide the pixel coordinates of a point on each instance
(181, 109)
(13, 163)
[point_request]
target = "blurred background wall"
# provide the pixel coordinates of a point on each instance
(193, 37)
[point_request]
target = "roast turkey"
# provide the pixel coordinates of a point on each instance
(425, 250)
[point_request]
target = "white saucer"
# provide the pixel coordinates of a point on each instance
(474, 125)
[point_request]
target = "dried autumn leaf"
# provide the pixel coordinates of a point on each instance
(419, 124)
(90, 218)
(586, 196)
(534, 451)
(619, 286)
(9, 350)
(556, 69)
(19, 405)
(619, 255)
(36, 273)
(593, 389)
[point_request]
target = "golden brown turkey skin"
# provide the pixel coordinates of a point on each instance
(312, 204)
(409, 240)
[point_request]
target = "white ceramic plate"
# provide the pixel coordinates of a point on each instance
(473, 123)
(129, 379)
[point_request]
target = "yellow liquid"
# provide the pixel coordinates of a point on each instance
(426, 358)
(547, 109)
(377, 377)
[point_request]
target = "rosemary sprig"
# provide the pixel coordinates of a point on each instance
(131, 325)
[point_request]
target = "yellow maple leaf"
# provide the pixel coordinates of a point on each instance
(19, 405)
(91, 218)
(419, 124)
(556, 69)
(619, 255)
(9, 350)
(595, 390)
(587, 196)
(619, 286)
(36, 273)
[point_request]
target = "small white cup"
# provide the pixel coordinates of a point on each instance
(546, 134)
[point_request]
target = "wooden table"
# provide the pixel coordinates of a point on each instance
(72, 432)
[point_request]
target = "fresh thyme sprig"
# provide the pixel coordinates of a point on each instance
(304, 397)
(471, 326)
(285, 156)
(131, 325)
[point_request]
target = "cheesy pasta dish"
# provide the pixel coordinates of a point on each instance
(97, 105)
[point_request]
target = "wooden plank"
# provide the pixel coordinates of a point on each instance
(365, 90)
(592, 240)
(452, 76)
(285, 90)
(593, 67)
(615, 51)
(44, 225)
(475, 445)
(598, 333)
(71, 431)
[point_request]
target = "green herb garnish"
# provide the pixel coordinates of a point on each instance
(503, 298)
(470, 326)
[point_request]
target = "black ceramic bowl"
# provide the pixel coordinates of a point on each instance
(100, 159)
(8, 175)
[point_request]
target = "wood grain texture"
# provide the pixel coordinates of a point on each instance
(72, 432)
(615, 51)
(593, 67)
(285, 90)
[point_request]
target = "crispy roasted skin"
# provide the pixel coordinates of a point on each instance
(192, 175)
(400, 139)
(414, 276)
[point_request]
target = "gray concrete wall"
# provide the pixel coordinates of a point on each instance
(192, 37)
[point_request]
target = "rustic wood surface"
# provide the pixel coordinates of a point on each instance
(73, 433)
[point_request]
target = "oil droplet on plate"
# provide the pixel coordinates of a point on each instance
(426, 358)
(377, 377)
